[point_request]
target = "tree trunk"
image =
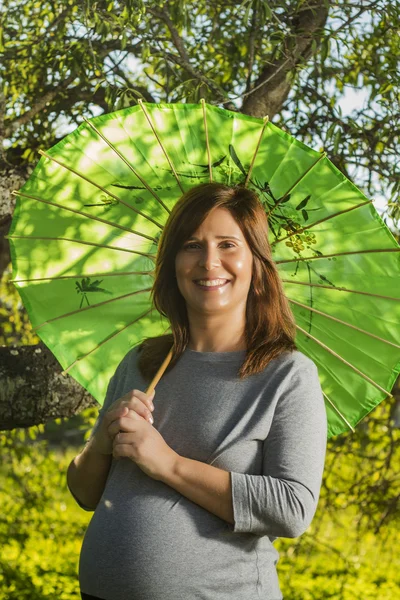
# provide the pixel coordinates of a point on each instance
(32, 389)
(11, 178)
(307, 26)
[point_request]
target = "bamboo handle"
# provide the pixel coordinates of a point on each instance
(160, 372)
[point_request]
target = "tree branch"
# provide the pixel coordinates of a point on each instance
(14, 124)
(306, 26)
(182, 59)
(252, 38)
(353, 18)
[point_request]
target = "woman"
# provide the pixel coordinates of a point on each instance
(189, 507)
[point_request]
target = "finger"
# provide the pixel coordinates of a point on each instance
(125, 424)
(124, 437)
(136, 405)
(137, 399)
(134, 400)
(121, 450)
(127, 408)
(147, 399)
(142, 406)
(121, 438)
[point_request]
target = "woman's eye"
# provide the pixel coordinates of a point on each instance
(224, 244)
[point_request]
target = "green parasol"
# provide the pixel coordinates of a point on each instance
(87, 221)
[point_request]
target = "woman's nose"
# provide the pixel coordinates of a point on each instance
(209, 258)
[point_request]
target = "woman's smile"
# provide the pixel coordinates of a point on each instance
(210, 288)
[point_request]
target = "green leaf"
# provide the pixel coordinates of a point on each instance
(385, 88)
(336, 142)
(303, 203)
(267, 10)
(124, 40)
(331, 130)
(325, 46)
(246, 17)
(305, 215)
(236, 159)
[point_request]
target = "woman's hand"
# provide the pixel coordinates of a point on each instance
(133, 401)
(138, 440)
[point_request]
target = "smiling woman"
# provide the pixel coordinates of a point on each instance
(214, 232)
(238, 441)
(214, 277)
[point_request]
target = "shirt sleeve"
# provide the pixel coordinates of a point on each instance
(283, 500)
(115, 385)
(109, 399)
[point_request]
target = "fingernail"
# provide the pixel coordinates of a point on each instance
(151, 406)
(151, 420)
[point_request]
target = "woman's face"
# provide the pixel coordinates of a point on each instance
(217, 250)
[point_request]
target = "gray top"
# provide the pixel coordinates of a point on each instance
(146, 541)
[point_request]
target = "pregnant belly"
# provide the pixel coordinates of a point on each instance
(147, 541)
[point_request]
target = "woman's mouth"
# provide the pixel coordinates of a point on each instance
(211, 285)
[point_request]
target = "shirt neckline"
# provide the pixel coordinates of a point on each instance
(214, 356)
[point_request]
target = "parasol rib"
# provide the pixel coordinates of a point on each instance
(302, 258)
(310, 168)
(344, 361)
(340, 289)
(266, 119)
(79, 212)
(79, 310)
(203, 103)
(83, 275)
(302, 229)
(37, 237)
(122, 157)
(338, 412)
(323, 314)
(103, 342)
(140, 102)
(139, 212)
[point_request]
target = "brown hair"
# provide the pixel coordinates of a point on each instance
(270, 326)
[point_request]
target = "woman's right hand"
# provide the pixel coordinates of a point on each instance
(135, 404)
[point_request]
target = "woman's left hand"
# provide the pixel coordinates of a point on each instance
(144, 445)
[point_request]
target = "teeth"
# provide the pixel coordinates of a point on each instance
(212, 283)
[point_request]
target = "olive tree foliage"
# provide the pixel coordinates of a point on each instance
(293, 60)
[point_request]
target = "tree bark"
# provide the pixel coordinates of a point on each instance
(11, 178)
(32, 389)
(273, 85)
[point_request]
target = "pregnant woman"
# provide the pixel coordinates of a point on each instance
(189, 497)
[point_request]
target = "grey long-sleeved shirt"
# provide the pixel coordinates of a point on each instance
(146, 541)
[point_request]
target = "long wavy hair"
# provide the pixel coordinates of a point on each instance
(270, 326)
